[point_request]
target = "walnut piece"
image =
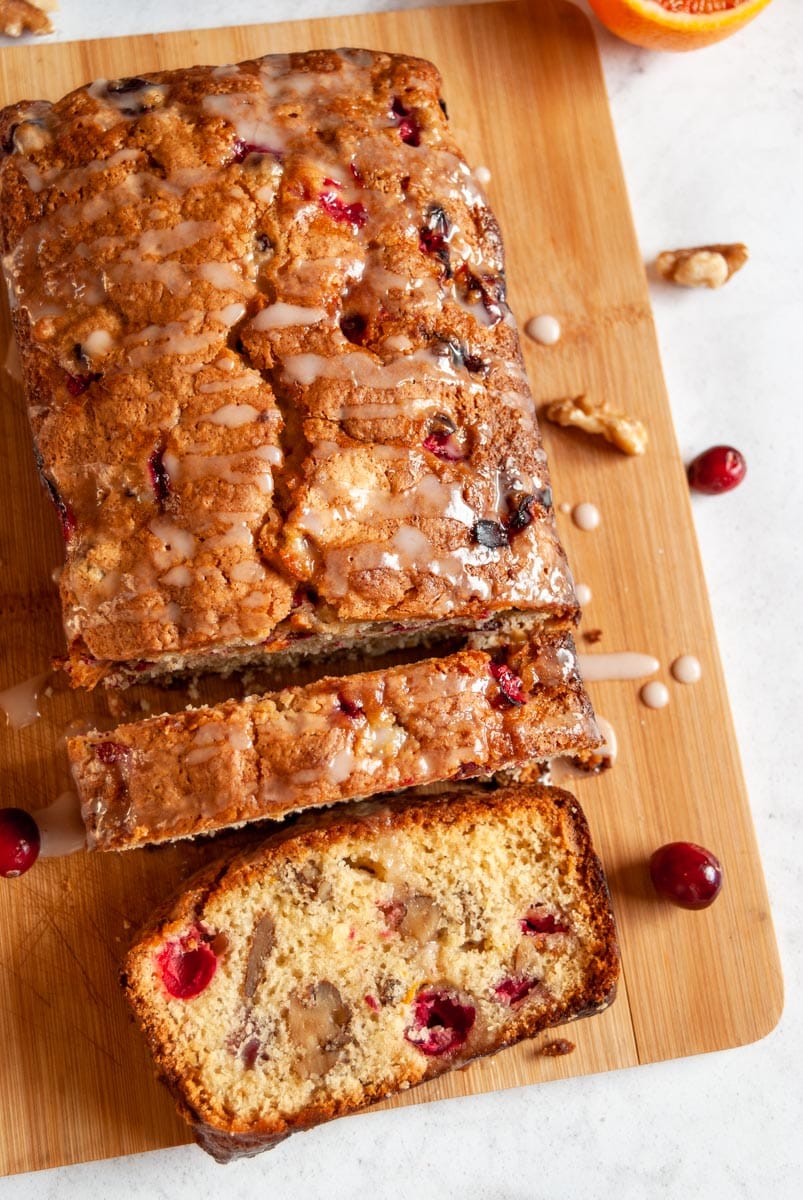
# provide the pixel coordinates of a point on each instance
(702, 266)
(626, 433)
(18, 17)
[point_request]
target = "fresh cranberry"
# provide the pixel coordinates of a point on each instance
(352, 708)
(687, 874)
(539, 920)
(512, 991)
(77, 384)
(406, 123)
(510, 685)
(441, 1022)
(720, 469)
(444, 446)
(159, 476)
(353, 214)
(19, 842)
(187, 965)
(110, 753)
(241, 150)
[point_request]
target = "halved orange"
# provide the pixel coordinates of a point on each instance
(675, 24)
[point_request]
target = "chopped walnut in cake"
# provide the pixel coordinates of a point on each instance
(626, 433)
(702, 266)
(18, 17)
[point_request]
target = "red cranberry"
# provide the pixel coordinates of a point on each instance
(354, 327)
(687, 874)
(110, 753)
(490, 534)
(512, 991)
(77, 384)
(539, 920)
(186, 965)
(352, 708)
(406, 123)
(444, 446)
(354, 214)
(19, 842)
(720, 469)
(241, 150)
(372, 1003)
(65, 513)
(441, 1022)
(509, 683)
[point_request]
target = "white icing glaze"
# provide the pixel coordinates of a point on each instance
(60, 826)
(564, 507)
(621, 665)
(233, 415)
(586, 516)
(686, 669)
(20, 702)
(482, 175)
(284, 316)
(583, 594)
(544, 329)
(11, 362)
(98, 343)
(655, 694)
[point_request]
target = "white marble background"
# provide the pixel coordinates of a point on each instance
(712, 151)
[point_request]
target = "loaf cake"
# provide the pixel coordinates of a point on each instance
(335, 965)
(276, 392)
(197, 771)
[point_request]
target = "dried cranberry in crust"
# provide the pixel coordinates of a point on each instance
(77, 384)
(490, 534)
(119, 87)
(441, 1022)
(444, 446)
(19, 842)
(159, 476)
(353, 327)
(720, 469)
(512, 990)
(510, 685)
(110, 753)
(241, 150)
(539, 920)
(409, 129)
(354, 214)
(65, 513)
(351, 708)
(687, 874)
(186, 966)
(372, 1003)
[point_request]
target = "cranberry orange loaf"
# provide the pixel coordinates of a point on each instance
(276, 392)
(338, 964)
(205, 769)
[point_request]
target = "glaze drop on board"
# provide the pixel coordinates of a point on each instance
(655, 694)
(622, 665)
(21, 702)
(586, 516)
(544, 329)
(686, 669)
(60, 826)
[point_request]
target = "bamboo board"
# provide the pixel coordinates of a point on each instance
(526, 95)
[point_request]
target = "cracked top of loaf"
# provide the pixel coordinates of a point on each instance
(275, 388)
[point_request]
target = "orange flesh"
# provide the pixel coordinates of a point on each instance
(698, 6)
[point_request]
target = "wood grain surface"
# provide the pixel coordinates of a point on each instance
(527, 99)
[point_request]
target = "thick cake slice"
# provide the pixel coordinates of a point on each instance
(337, 964)
(276, 392)
(470, 713)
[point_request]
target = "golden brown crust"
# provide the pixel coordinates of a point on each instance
(286, 278)
(551, 814)
(202, 770)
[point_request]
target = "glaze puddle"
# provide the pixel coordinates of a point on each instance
(60, 826)
(20, 702)
(595, 668)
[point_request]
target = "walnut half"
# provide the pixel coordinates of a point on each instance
(626, 433)
(702, 266)
(18, 17)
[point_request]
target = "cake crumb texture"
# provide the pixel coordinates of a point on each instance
(344, 960)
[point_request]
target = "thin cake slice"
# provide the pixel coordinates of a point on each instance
(337, 964)
(276, 392)
(470, 713)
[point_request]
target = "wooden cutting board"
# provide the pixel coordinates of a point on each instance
(527, 98)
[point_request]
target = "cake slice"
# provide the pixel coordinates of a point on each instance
(276, 392)
(469, 713)
(339, 963)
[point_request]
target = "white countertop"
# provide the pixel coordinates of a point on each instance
(712, 150)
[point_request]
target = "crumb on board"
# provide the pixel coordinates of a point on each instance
(19, 16)
(592, 636)
(557, 1048)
